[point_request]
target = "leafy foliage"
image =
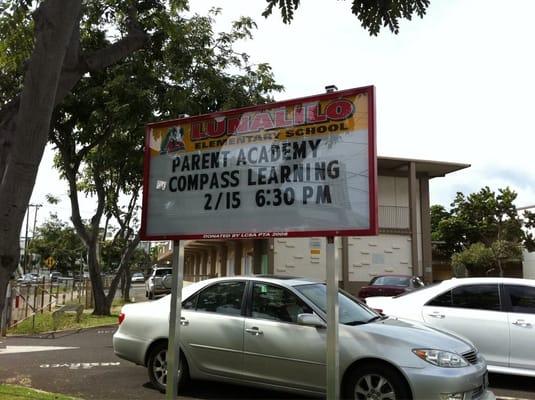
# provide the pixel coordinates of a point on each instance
(372, 14)
(486, 219)
(98, 131)
(57, 239)
(476, 259)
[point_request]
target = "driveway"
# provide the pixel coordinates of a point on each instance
(83, 364)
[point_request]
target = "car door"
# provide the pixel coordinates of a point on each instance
(276, 349)
(473, 311)
(212, 328)
(520, 302)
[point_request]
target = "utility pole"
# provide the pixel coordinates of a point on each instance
(25, 264)
(26, 241)
(37, 206)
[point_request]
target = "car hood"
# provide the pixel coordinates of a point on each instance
(413, 334)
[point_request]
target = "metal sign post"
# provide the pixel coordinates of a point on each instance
(333, 378)
(173, 350)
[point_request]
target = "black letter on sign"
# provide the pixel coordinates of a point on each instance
(176, 163)
(308, 191)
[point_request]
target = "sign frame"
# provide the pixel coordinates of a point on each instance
(372, 171)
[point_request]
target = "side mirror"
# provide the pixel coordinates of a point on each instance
(310, 320)
(167, 281)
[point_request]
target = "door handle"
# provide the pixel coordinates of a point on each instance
(437, 314)
(254, 331)
(184, 321)
(522, 323)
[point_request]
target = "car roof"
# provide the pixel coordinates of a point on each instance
(470, 280)
(289, 281)
(439, 287)
(281, 280)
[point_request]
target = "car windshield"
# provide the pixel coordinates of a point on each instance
(351, 312)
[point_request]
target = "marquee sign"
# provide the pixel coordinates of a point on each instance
(303, 167)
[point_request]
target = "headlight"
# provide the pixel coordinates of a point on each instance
(441, 358)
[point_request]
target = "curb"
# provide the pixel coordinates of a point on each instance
(51, 334)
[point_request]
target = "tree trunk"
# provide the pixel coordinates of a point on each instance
(500, 269)
(102, 305)
(24, 129)
(125, 260)
(54, 68)
(126, 289)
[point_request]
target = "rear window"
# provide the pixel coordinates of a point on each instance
(392, 281)
(163, 272)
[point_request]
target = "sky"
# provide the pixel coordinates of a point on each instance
(457, 85)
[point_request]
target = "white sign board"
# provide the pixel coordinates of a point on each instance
(304, 167)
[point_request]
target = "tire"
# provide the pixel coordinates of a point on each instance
(157, 368)
(150, 296)
(375, 381)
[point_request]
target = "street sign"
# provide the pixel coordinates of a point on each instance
(50, 262)
(299, 168)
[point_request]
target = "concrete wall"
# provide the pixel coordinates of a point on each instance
(528, 265)
(378, 255)
(304, 257)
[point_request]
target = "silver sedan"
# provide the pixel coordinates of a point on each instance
(270, 332)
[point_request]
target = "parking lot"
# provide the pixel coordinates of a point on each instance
(83, 364)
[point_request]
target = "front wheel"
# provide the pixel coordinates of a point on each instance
(375, 382)
(157, 368)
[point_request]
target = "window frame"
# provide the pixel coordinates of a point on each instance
(508, 306)
(198, 293)
(249, 308)
(451, 289)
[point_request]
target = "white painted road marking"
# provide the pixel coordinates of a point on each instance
(32, 349)
(509, 398)
(81, 365)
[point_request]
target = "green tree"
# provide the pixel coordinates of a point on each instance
(98, 130)
(371, 14)
(50, 35)
(486, 218)
(57, 239)
(477, 260)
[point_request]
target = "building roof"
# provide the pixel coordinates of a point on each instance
(431, 168)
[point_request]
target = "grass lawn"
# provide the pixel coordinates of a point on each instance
(43, 322)
(13, 392)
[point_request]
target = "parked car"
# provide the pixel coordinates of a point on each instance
(154, 285)
(271, 332)
(29, 278)
(138, 277)
(497, 314)
(390, 285)
(54, 275)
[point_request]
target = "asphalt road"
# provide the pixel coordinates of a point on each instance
(88, 368)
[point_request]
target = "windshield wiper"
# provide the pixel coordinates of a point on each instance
(353, 323)
(380, 317)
